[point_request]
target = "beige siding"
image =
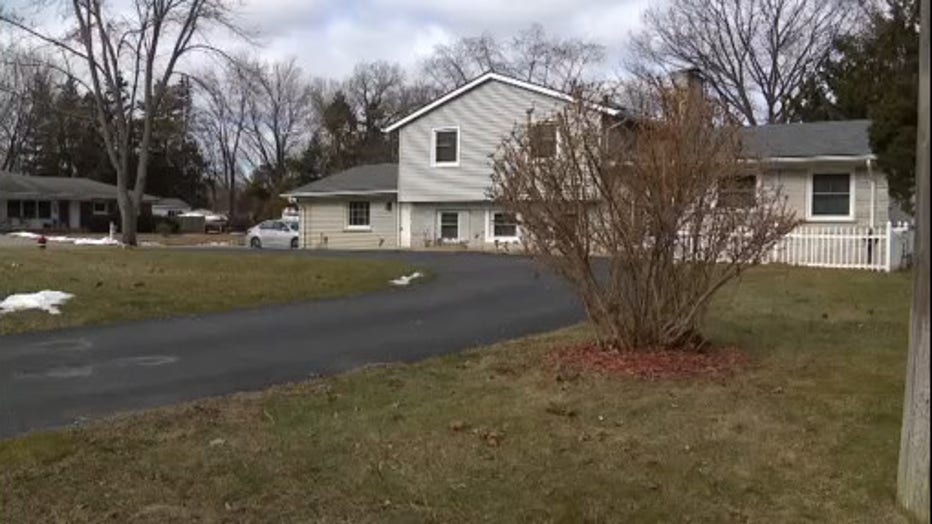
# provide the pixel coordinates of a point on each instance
(484, 116)
(795, 187)
(323, 224)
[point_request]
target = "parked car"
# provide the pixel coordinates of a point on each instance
(273, 234)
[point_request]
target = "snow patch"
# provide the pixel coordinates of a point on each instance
(46, 300)
(404, 280)
(78, 241)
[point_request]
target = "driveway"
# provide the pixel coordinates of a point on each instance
(65, 377)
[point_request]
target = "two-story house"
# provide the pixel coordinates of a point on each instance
(437, 192)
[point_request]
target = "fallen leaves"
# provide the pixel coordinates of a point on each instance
(648, 364)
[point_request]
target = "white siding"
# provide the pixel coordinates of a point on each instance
(795, 187)
(484, 116)
(323, 224)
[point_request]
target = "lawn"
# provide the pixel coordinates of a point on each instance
(807, 432)
(112, 284)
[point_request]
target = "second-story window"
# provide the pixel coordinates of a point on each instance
(446, 146)
(543, 137)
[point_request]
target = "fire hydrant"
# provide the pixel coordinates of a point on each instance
(42, 241)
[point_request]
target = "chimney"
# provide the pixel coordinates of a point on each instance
(689, 78)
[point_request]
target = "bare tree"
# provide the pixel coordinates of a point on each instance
(20, 72)
(755, 54)
(654, 196)
(129, 57)
(278, 115)
(221, 124)
(532, 55)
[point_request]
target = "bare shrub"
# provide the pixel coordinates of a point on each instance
(644, 216)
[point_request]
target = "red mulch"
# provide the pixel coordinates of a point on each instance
(649, 364)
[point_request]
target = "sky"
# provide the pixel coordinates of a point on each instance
(327, 37)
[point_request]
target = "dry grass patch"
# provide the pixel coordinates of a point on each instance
(809, 431)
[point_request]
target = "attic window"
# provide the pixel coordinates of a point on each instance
(446, 146)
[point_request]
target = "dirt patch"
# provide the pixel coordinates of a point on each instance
(646, 364)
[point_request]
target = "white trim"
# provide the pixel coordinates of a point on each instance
(481, 80)
(433, 146)
(816, 158)
(490, 229)
(852, 200)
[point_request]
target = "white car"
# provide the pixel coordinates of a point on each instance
(273, 234)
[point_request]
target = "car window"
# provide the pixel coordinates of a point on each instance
(293, 226)
(266, 225)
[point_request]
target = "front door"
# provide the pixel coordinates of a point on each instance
(64, 214)
(452, 226)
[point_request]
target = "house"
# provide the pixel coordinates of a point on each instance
(59, 203)
(437, 192)
(170, 207)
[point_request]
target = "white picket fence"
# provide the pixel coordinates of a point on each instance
(885, 248)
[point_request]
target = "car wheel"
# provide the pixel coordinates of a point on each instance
(255, 243)
(294, 243)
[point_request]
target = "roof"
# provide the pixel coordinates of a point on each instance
(482, 79)
(837, 139)
(360, 180)
(172, 202)
(14, 186)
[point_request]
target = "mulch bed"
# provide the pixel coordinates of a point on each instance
(647, 364)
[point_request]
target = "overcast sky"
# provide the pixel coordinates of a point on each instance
(328, 37)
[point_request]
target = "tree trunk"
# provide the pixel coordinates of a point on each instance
(129, 217)
(913, 474)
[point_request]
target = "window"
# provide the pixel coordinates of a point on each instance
(358, 215)
(268, 225)
(504, 225)
(29, 209)
(45, 209)
(101, 208)
(738, 192)
(450, 225)
(14, 209)
(446, 146)
(543, 140)
(831, 195)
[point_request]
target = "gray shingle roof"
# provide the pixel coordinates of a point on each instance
(173, 202)
(840, 138)
(370, 178)
(14, 186)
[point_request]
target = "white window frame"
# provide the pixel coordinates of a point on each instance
(852, 197)
(350, 227)
(462, 218)
(490, 228)
(106, 205)
(433, 146)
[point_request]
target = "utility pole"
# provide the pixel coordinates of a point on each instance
(913, 474)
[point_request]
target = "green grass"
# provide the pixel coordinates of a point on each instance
(113, 285)
(808, 433)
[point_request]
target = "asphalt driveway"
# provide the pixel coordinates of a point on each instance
(64, 377)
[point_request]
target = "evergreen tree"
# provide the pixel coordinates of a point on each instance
(874, 74)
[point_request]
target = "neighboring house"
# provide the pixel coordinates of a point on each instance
(59, 203)
(437, 193)
(170, 207)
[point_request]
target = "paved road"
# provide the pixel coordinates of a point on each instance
(62, 377)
